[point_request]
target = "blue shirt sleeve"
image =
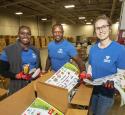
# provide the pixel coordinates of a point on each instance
(72, 51)
(121, 59)
(3, 56)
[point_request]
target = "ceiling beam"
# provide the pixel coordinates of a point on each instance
(51, 10)
(113, 8)
(12, 3)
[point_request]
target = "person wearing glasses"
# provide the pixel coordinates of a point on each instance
(60, 51)
(106, 57)
(15, 56)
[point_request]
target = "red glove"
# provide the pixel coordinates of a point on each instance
(109, 84)
(21, 75)
(85, 76)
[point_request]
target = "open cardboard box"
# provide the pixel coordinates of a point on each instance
(56, 96)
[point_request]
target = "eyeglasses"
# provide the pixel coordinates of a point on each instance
(104, 27)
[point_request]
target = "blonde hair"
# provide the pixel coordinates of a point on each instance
(104, 17)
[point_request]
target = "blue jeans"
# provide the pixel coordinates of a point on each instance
(100, 105)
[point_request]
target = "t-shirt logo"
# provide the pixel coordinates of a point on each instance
(33, 55)
(60, 51)
(107, 59)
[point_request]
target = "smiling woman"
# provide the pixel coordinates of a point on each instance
(14, 58)
(105, 58)
(24, 35)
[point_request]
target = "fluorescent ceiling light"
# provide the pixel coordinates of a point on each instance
(19, 13)
(81, 18)
(88, 23)
(63, 24)
(117, 22)
(44, 19)
(69, 6)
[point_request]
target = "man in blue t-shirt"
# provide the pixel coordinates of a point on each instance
(60, 51)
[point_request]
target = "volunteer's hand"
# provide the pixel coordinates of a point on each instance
(84, 75)
(109, 84)
(21, 75)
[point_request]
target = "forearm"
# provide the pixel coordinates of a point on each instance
(80, 63)
(4, 70)
(89, 70)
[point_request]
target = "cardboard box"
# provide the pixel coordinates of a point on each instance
(56, 96)
(3, 93)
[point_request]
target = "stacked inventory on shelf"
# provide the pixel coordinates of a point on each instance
(82, 52)
(38, 41)
(2, 44)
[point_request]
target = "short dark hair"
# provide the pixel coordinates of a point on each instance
(103, 17)
(57, 25)
(24, 27)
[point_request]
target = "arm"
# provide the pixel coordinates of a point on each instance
(48, 64)
(4, 66)
(89, 70)
(79, 62)
(4, 70)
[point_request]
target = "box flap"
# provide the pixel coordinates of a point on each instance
(56, 96)
(83, 95)
(76, 112)
(46, 76)
(3, 92)
(18, 102)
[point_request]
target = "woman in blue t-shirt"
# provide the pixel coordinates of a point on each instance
(15, 56)
(106, 58)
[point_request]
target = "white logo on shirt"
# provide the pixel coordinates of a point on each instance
(60, 51)
(107, 59)
(33, 55)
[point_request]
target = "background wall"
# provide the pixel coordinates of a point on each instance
(9, 26)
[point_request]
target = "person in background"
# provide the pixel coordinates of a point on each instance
(15, 56)
(60, 51)
(106, 57)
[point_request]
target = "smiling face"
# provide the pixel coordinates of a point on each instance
(24, 35)
(57, 32)
(102, 29)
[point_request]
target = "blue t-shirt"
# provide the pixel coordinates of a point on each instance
(60, 53)
(28, 57)
(106, 61)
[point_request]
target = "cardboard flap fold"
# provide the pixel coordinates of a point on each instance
(56, 96)
(82, 96)
(18, 102)
(76, 112)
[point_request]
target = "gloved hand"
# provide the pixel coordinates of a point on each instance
(84, 75)
(109, 84)
(21, 75)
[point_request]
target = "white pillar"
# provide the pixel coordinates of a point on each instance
(122, 17)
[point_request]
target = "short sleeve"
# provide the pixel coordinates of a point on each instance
(72, 51)
(121, 59)
(3, 56)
